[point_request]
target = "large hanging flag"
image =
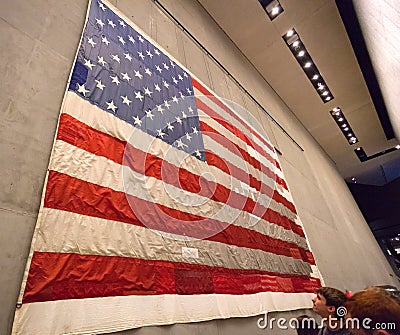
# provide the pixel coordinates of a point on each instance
(161, 204)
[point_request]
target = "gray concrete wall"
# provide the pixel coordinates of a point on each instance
(38, 42)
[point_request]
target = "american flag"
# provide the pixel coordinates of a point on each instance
(158, 194)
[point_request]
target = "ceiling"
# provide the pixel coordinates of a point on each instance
(323, 33)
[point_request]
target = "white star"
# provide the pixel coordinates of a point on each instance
(148, 92)
(149, 114)
(140, 38)
(182, 96)
(140, 55)
(105, 40)
(125, 100)
(139, 96)
(157, 88)
(128, 57)
(180, 144)
(122, 23)
(185, 74)
(174, 80)
(147, 71)
(188, 137)
(110, 105)
(121, 40)
(167, 104)
(131, 39)
(157, 52)
(91, 42)
(160, 109)
(190, 109)
(158, 69)
(100, 23)
(138, 74)
(189, 91)
(165, 66)
(160, 133)
(100, 84)
(111, 23)
(165, 84)
(89, 64)
(137, 120)
(197, 153)
(195, 130)
(149, 54)
(172, 63)
(178, 119)
(180, 77)
(116, 58)
(125, 76)
(184, 115)
(102, 6)
(101, 60)
(82, 89)
(115, 79)
(170, 126)
(175, 99)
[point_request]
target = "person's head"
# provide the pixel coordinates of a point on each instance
(377, 312)
(327, 301)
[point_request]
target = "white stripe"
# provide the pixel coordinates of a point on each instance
(67, 232)
(99, 170)
(112, 314)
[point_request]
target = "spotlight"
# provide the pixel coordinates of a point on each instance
(315, 77)
(328, 98)
(325, 93)
(289, 33)
(273, 8)
(308, 64)
(296, 43)
(301, 53)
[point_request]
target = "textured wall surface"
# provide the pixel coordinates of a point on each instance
(38, 45)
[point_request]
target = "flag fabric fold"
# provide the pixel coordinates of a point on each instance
(160, 199)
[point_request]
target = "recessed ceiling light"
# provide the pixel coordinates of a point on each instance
(296, 43)
(275, 10)
(308, 64)
(315, 77)
(328, 98)
(336, 109)
(346, 129)
(301, 53)
(358, 149)
(340, 119)
(289, 33)
(325, 93)
(320, 86)
(344, 125)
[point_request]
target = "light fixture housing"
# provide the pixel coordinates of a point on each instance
(273, 8)
(343, 125)
(299, 51)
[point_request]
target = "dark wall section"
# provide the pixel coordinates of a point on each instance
(380, 206)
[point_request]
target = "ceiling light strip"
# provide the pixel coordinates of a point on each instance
(343, 125)
(302, 56)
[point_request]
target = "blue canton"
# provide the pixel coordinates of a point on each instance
(121, 72)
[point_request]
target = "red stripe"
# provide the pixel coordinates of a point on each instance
(67, 193)
(207, 93)
(55, 276)
(81, 135)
